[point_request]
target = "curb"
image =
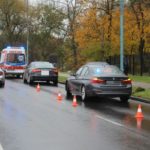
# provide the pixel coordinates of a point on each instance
(140, 99)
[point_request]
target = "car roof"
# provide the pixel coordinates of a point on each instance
(39, 62)
(97, 63)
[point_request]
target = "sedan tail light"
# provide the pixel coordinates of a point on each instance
(36, 70)
(55, 70)
(97, 80)
(127, 81)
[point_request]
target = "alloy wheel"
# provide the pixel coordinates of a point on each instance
(83, 94)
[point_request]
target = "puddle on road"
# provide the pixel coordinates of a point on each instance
(122, 113)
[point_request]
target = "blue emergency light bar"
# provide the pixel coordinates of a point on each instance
(9, 47)
(22, 48)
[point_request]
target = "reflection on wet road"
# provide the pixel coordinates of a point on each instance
(31, 120)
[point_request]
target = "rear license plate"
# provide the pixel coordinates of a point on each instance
(113, 82)
(45, 73)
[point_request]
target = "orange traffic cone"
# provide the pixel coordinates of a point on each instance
(74, 103)
(139, 113)
(59, 96)
(38, 87)
(139, 122)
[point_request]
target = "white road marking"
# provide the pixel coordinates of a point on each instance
(1, 148)
(110, 121)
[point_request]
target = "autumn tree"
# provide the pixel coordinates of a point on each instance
(107, 6)
(46, 25)
(73, 9)
(12, 22)
(138, 11)
(88, 35)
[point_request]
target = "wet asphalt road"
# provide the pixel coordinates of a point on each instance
(37, 121)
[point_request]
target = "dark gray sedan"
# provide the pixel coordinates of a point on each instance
(99, 79)
(40, 71)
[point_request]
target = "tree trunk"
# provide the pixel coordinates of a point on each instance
(141, 49)
(133, 72)
(74, 48)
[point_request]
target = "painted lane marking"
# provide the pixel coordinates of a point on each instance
(1, 148)
(110, 121)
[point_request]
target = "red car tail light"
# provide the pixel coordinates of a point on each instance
(36, 70)
(97, 80)
(127, 81)
(55, 70)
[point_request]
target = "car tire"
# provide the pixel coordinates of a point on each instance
(24, 80)
(124, 99)
(48, 82)
(68, 93)
(84, 96)
(2, 85)
(29, 80)
(55, 83)
(18, 76)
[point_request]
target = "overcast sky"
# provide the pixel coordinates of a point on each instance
(32, 1)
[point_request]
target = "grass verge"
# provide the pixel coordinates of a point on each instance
(62, 79)
(141, 94)
(145, 79)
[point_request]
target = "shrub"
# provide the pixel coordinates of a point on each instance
(139, 89)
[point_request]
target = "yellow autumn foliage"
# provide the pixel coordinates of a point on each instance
(92, 33)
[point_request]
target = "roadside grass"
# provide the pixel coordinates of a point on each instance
(145, 79)
(145, 93)
(138, 91)
(62, 77)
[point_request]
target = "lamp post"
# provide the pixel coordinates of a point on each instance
(121, 35)
(27, 42)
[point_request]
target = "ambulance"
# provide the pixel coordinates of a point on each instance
(13, 61)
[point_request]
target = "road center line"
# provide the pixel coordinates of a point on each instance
(110, 121)
(1, 148)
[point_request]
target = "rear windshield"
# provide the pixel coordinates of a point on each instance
(107, 70)
(43, 65)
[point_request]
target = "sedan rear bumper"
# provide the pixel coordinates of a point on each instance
(44, 78)
(14, 72)
(113, 92)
